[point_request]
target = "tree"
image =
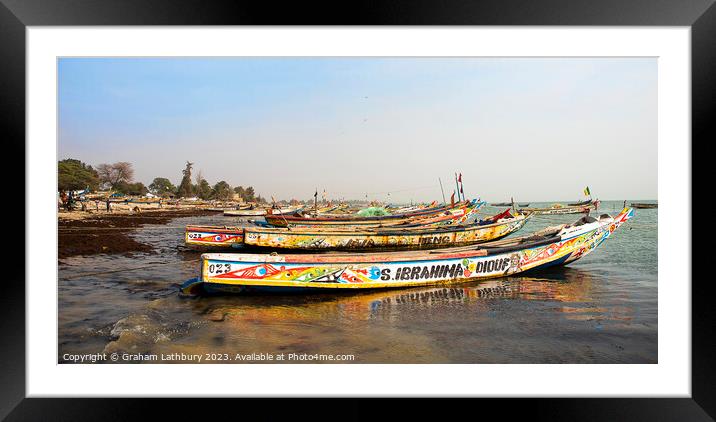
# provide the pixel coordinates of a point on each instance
(161, 186)
(222, 191)
(113, 174)
(131, 188)
(249, 194)
(185, 188)
(75, 175)
(203, 189)
(240, 191)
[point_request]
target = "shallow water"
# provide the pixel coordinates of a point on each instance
(600, 309)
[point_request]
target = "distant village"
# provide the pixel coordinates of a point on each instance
(112, 187)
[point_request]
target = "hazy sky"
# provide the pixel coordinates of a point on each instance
(535, 129)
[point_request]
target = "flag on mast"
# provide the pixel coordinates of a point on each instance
(459, 179)
(587, 192)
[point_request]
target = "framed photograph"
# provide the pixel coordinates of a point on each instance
(465, 200)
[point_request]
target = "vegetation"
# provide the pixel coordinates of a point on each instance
(186, 189)
(203, 189)
(75, 175)
(161, 186)
(222, 191)
(112, 175)
(248, 194)
(132, 188)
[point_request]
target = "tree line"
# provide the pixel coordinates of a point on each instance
(119, 177)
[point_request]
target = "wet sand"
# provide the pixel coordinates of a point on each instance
(81, 233)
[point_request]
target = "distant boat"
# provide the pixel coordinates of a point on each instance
(245, 213)
(557, 209)
(213, 237)
(642, 205)
(577, 204)
(508, 204)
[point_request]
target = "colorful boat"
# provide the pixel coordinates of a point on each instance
(557, 209)
(301, 221)
(213, 237)
(244, 273)
(389, 238)
(221, 237)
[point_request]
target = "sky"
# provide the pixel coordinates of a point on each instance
(536, 129)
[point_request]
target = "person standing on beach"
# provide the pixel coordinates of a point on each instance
(109, 208)
(62, 199)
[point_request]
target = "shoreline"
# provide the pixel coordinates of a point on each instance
(92, 233)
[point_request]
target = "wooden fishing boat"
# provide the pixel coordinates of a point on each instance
(558, 209)
(245, 273)
(222, 237)
(580, 203)
(440, 218)
(642, 205)
(257, 212)
(294, 221)
(420, 237)
(284, 211)
(508, 204)
(213, 237)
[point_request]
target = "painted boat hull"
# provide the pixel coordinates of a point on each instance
(207, 237)
(244, 273)
(382, 239)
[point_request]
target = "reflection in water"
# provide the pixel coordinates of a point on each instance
(591, 312)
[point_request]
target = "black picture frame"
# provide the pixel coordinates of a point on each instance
(16, 15)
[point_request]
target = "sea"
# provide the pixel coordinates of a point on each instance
(600, 309)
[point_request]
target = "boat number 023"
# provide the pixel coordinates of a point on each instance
(215, 269)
